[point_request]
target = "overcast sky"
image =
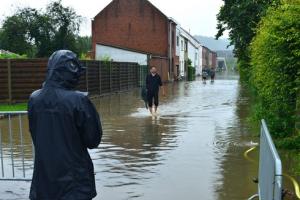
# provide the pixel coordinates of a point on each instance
(198, 16)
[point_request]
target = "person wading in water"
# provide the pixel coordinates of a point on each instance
(153, 83)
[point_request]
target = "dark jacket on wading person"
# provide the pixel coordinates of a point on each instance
(153, 83)
(63, 125)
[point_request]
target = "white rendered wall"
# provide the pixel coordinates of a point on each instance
(119, 55)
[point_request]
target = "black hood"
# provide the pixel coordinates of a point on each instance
(64, 70)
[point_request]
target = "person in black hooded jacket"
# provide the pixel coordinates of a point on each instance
(63, 125)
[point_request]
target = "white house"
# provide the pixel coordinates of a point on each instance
(199, 69)
(180, 51)
(194, 50)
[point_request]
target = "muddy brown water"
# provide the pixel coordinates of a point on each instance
(192, 150)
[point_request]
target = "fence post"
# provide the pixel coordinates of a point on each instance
(137, 74)
(9, 81)
(120, 78)
(87, 76)
(99, 74)
(110, 78)
(128, 76)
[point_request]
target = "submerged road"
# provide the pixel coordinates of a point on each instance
(192, 150)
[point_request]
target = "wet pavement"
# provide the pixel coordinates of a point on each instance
(192, 150)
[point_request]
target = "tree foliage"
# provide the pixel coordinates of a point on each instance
(66, 24)
(83, 44)
(275, 67)
(240, 18)
(38, 33)
(15, 35)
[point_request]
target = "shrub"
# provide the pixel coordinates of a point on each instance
(11, 56)
(191, 71)
(275, 67)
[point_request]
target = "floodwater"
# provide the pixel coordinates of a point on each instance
(192, 150)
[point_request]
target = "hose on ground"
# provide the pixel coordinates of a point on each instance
(292, 179)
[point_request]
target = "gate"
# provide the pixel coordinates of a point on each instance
(16, 149)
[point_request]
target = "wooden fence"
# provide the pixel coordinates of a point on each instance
(20, 77)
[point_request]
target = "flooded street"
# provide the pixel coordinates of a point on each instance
(192, 150)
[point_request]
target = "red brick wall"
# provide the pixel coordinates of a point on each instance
(205, 57)
(132, 24)
(214, 60)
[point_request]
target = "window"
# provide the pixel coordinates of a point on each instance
(177, 41)
(182, 45)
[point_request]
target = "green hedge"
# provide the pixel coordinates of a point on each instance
(275, 68)
(191, 73)
(11, 56)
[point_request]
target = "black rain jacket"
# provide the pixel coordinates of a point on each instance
(63, 125)
(153, 83)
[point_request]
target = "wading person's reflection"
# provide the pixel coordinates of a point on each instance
(63, 125)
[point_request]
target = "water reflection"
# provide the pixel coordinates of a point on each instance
(238, 173)
(134, 144)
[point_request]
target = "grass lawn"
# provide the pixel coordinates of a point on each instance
(13, 107)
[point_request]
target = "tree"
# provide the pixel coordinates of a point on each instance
(65, 23)
(275, 68)
(83, 44)
(15, 35)
(240, 18)
(37, 33)
(1, 36)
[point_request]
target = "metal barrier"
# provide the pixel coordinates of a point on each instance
(270, 168)
(16, 151)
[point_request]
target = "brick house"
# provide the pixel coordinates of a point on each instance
(137, 28)
(209, 58)
(214, 60)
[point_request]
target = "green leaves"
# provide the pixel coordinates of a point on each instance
(240, 18)
(39, 33)
(266, 36)
(275, 67)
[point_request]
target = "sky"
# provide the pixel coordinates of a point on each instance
(196, 16)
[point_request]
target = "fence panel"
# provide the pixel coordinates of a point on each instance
(3, 81)
(20, 77)
(115, 77)
(26, 76)
(142, 74)
(105, 77)
(93, 78)
(123, 78)
(270, 168)
(16, 149)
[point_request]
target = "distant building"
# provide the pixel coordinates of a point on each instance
(193, 49)
(214, 60)
(221, 64)
(138, 29)
(209, 58)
